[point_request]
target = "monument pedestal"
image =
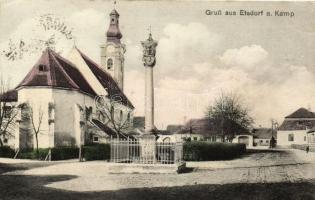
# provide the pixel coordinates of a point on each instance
(147, 149)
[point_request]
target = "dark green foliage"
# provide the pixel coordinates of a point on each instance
(6, 152)
(97, 152)
(64, 153)
(203, 151)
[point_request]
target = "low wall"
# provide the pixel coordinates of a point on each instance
(303, 146)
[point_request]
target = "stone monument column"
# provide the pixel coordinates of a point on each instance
(149, 60)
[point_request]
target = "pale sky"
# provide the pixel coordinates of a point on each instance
(269, 61)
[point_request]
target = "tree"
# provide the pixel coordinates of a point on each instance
(229, 116)
(8, 112)
(36, 122)
(107, 107)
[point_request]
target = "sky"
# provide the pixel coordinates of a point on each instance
(268, 61)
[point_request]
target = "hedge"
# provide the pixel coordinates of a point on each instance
(206, 151)
(92, 152)
(31, 154)
(96, 152)
(6, 152)
(64, 153)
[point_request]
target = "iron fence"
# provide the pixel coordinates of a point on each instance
(145, 151)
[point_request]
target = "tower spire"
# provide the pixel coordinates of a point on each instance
(113, 33)
(112, 52)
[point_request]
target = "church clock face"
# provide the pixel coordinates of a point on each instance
(110, 48)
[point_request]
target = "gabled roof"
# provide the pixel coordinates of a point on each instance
(209, 127)
(54, 71)
(263, 133)
(301, 113)
(289, 125)
(172, 128)
(107, 81)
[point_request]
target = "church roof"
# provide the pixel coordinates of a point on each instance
(301, 113)
(107, 81)
(54, 71)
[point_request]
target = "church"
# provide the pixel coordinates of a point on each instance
(57, 98)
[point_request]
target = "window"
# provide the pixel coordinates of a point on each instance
(291, 137)
(5, 140)
(95, 139)
(109, 63)
(112, 112)
(41, 68)
(304, 138)
(195, 138)
(121, 115)
(267, 141)
(128, 117)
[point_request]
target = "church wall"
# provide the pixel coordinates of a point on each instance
(38, 99)
(70, 116)
(63, 122)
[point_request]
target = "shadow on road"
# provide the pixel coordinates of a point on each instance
(4, 167)
(32, 187)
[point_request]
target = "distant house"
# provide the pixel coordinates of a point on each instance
(200, 129)
(173, 128)
(262, 136)
(295, 127)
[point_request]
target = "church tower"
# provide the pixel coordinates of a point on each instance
(112, 52)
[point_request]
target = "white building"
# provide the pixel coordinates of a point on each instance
(294, 128)
(60, 93)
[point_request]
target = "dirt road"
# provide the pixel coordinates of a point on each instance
(260, 167)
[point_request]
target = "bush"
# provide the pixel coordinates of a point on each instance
(204, 151)
(31, 154)
(64, 153)
(97, 152)
(57, 153)
(6, 152)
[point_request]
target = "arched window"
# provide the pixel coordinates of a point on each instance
(167, 140)
(128, 117)
(109, 63)
(121, 115)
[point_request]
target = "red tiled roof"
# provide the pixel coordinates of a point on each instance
(107, 81)
(54, 71)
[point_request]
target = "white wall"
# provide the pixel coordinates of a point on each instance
(69, 114)
(262, 142)
(38, 98)
(299, 137)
